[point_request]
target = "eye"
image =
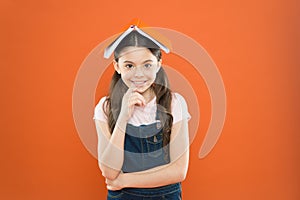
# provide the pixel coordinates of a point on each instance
(148, 65)
(129, 66)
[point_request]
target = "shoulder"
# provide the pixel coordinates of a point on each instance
(178, 100)
(101, 102)
(177, 97)
(99, 113)
(179, 108)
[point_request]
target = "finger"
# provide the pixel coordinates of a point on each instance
(138, 96)
(132, 88)
(132, 85)
(130, 92)
(136, 101)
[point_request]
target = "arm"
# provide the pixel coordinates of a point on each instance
(111, 146)
(170, 173)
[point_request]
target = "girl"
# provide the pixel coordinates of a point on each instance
(142, 127)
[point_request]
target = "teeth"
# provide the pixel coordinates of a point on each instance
(138, 82)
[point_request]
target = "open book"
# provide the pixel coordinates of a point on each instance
(111, 48)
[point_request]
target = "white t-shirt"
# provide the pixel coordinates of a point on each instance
(146, 115)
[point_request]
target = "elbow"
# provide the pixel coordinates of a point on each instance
(109, 173)
(181, 175)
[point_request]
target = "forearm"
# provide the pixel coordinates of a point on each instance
(112, 157)
(159, 176)
(163, 175)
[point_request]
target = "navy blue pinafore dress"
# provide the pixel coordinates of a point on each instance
(143, 149)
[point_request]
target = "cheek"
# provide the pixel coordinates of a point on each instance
(126, 79)
(151, 74)
(126, 75)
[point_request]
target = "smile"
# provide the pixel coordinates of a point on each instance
(138, 83)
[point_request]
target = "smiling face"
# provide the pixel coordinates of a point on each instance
(138, 68)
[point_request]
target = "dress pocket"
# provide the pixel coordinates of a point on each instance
(154, 145)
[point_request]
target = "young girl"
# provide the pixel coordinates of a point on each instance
(143, 144)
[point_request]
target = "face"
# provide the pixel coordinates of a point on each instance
(138, 67)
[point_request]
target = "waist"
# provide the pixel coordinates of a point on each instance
(157, 191)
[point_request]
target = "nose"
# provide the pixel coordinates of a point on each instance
(139, 71)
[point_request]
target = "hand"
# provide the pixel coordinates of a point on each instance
(116, 184)
(130, 99)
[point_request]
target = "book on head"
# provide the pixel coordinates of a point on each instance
(111, 48)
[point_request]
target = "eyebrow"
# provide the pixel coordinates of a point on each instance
(127, 61)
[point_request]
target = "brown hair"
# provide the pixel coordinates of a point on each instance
(161, 87)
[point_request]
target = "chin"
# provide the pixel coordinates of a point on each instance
(142, 90)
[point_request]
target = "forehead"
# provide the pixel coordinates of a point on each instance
(136, 54)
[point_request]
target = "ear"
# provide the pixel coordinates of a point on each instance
(116, 66)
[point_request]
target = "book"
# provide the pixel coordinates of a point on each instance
(111, 48)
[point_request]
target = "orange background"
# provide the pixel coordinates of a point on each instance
(255, 45)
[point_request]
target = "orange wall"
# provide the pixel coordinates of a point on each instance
(255, 45)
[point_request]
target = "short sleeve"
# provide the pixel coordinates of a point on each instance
(179, 108)
(98, 111)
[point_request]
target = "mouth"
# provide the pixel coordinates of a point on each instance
(139, 83)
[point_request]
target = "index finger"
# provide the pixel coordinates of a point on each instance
(132, 87)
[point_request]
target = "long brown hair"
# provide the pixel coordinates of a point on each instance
(161, 88)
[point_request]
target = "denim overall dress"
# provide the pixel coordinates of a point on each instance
(143, 149)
